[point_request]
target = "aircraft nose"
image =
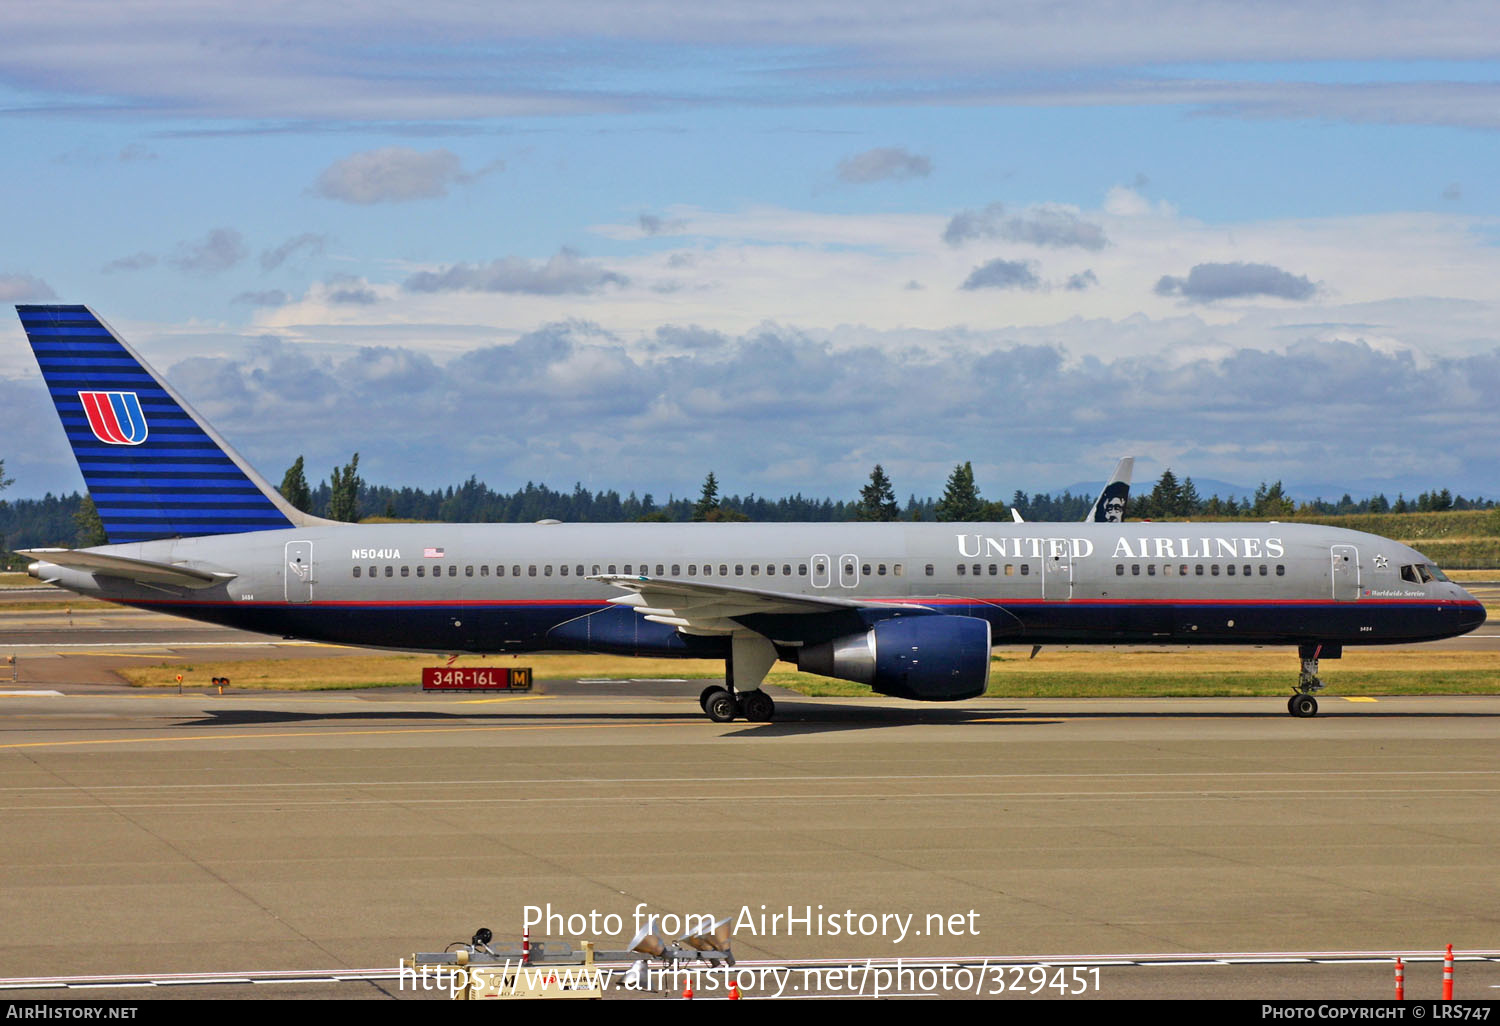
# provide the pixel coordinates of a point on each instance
(1470, 611)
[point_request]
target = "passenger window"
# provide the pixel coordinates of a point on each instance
(421, 571)
(723, 570)
(484, 571)
(708, 569)
(865, 570)
(628, 566)
(515, 570)
(563, 570)
(929, 569)
(1135, 569)
(547, 570)
(880, 570)
(1229, 569)
(962, 569)
(406, 571)
(1280, 570)
(754, 569)
(1199, 570)
(374, 571)
(1246, 569)
(896, 570)
(1025, 569)
(356, 571)
(1010, 569)
(531, 570)
(1119, 569)
(1213, 571)
(994, 569)
(579, 568)
(801, 569)
(786, 568)
(468, 571)
(596, 569)
(1263, 569)
(611, 568)
(770, 569)
(676, 569)
(500, 570)
(1182, 571)
(1150, 569)
(388, 570)
(453, 570)
(692, 569)
(739, 569)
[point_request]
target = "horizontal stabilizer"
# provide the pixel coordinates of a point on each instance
(143, 571)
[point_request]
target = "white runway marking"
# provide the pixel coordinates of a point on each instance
(1165, 960)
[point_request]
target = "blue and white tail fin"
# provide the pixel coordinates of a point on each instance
(155, 469)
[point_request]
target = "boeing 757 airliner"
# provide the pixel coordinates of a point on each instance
(909, 609)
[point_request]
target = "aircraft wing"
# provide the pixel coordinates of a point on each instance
(700, 607)
(143, 571)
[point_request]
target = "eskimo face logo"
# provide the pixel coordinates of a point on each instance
(115, 417)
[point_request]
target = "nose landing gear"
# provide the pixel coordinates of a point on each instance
(1302, 703)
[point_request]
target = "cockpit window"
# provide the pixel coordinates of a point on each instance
(1409, 573)
(1435, 572)
(1423, 573)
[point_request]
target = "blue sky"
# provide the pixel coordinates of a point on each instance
(625, 244)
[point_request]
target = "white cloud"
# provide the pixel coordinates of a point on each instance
(24, 288)
(395, 174)
(884, 164)
(451, 60)
(218, 251)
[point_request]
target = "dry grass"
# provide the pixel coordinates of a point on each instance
(1056, 672)
(385, 670)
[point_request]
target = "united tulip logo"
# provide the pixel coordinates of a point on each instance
(115, 417)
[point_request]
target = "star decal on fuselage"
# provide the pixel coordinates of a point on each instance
(1381, 562)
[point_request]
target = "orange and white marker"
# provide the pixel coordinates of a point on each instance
(1448, 975)
(1400, 980)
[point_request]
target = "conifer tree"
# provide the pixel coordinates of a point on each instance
(961, 499)
(877, 500)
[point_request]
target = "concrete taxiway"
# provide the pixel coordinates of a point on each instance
(152, 834)
(158, 834)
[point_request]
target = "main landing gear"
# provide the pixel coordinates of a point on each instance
(1302, 703)
(750, 659)
(724, 706)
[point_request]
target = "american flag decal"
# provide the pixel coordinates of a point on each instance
(115, 417)
(430, 553)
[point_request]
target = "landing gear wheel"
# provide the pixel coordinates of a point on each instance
(708, 693)
(1303, 705)
(721, 706)
(758, 706)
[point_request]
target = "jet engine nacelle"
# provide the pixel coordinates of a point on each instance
(929, 658)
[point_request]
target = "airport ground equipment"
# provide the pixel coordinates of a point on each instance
(475, 970)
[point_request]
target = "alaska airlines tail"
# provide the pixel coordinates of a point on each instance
(1110, 506)
(155, 469)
